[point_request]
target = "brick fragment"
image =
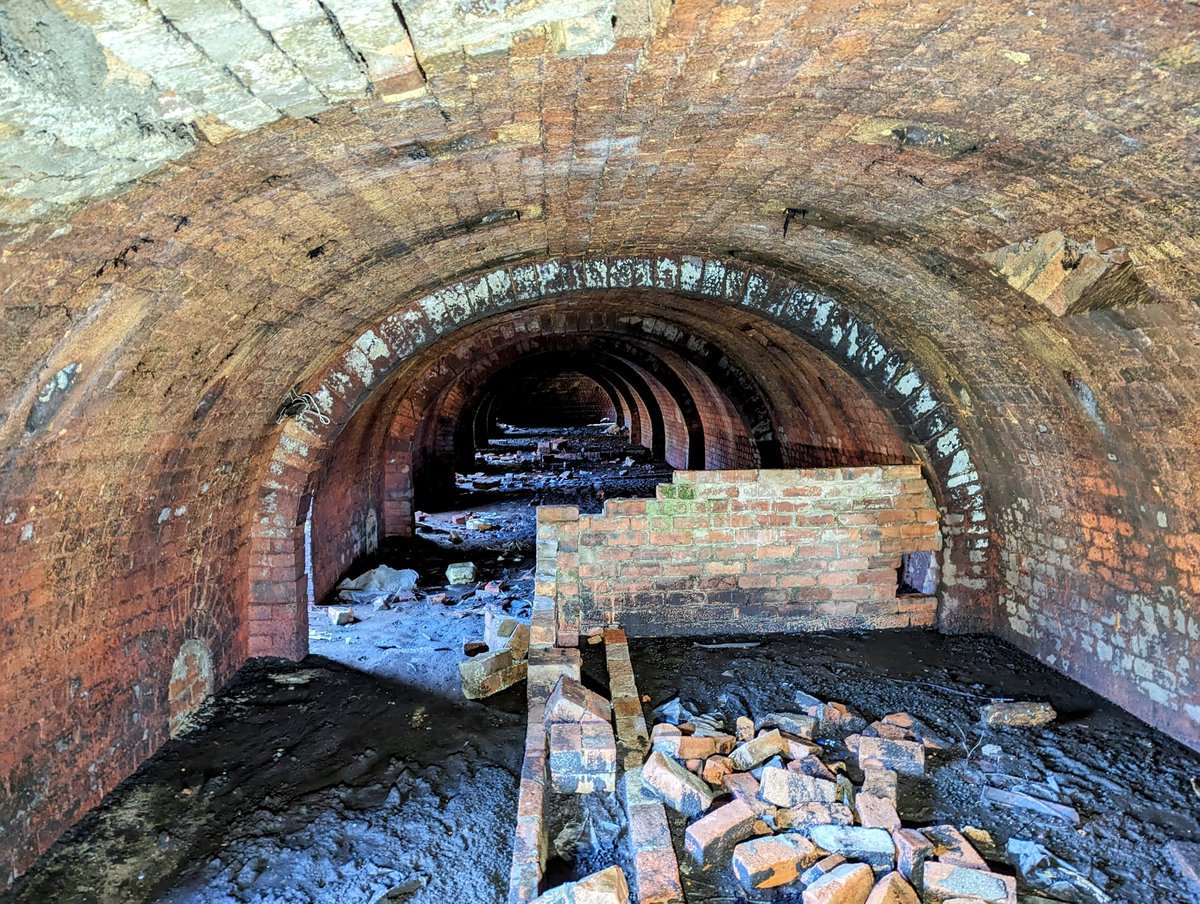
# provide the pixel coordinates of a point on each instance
(912, 850)
(814, 814)
(872, 846)
(943, 882)
(774, 860)
(951, 846)
(905, 757)
(1017, 714)
(675, 786)
(714, 836)
(822, 867)
(489, 674)
(759, 750)
(605, 887)
(811, 765)
(798, 725)
(744, 728)
(849, 883)
(881, 783)
(876, 812)
(570, 701)
(784, 788)
(893, 889)
(715, 769)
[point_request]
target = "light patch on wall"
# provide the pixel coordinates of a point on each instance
(191, 684)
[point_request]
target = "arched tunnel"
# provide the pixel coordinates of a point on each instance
(818, 364)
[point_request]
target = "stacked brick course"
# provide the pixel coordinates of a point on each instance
(727, 551)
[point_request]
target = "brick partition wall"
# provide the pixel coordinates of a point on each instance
(754, 551)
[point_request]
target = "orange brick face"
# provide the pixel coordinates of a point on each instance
(812, 569)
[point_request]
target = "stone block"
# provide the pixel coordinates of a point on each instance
(943, 882)
(871, 846)
(784, 788)
(850, 883)
(774, 860)
(570, 701)
(905, 757)
(714, 836)
(669, 782)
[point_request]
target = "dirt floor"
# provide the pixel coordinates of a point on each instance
(361, 775)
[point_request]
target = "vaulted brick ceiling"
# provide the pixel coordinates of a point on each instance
(872, 152)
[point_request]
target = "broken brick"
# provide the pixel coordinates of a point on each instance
(790, 789)
(876, 812)
(849, 883)
(893, 889)
(951, 846)
(570, 701)
(872, 846)
(814, 814)
(583, 757)
(675, 786)
(714, 836)
(774, 860)
(912, 850)
(943, 882)
(757, 751)
(905, 757)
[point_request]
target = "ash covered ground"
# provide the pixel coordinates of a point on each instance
(361, 775)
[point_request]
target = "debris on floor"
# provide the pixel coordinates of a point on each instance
(341, 615)
(461, 573)
(605, 887)
(379, 584)
(816, 801)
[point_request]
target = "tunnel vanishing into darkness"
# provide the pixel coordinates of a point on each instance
(757, 235)
(699, 385)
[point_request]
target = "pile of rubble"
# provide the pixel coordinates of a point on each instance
(809, 802)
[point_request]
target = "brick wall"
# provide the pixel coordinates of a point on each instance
(743, 551)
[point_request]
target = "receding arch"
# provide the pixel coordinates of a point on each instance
(278, 619)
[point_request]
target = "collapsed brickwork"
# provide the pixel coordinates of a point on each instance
(759, 551)
(867, 158)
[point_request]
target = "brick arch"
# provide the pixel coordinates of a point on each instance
(277, 617)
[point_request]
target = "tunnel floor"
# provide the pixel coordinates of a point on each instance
(331, 781)
(361, 774)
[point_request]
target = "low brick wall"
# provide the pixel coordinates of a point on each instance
(753, 551)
